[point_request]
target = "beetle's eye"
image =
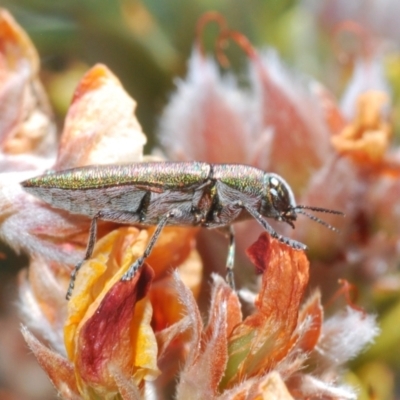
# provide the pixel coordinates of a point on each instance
(279, 195)
(274, 182)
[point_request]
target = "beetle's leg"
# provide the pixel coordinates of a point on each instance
(230, 259)
(258, 217)
(120, 217)
(139, 262)
(88, 254)
(229, 233)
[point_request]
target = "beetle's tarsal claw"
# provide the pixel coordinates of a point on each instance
(72, 280)
(230, 279)
(132, 269)
(294, 244)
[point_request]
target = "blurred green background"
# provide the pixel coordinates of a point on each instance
(147, 43)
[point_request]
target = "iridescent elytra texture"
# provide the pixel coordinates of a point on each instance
(158, 174)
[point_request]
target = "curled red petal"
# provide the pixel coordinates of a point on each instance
(265, 338)
(259, 253)
(106, 339)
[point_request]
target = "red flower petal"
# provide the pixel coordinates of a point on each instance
(107, 337)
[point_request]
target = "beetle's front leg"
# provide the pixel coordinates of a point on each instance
(139, 262)
(258, 217)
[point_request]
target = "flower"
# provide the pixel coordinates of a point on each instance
(281, 348)
(108, 345)
(102, 324)
(27, 125)
(53, 237)
(378, 18)
(126, 339)
(292, 125)
(367, 138)
(335, 155)
(53, 233)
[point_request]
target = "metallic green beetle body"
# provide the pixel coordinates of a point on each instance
(171, 193)
(201, 194)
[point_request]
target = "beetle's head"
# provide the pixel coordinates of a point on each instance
(278, 202)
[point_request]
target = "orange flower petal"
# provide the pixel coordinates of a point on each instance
(260, 253)
(313, 312)
(172, 249)
(367, 138)
(285, 278)
(266, 337)
(167, 307)
(26, 119)
(100, 127)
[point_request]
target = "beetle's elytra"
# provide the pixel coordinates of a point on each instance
(172, 193)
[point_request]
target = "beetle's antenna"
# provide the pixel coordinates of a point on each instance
(320, 221)
(317, 209)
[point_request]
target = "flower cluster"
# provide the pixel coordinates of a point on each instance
(133, 339)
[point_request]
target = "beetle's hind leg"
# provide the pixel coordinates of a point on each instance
(88, 254)
(114, 216)
(230, 259)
